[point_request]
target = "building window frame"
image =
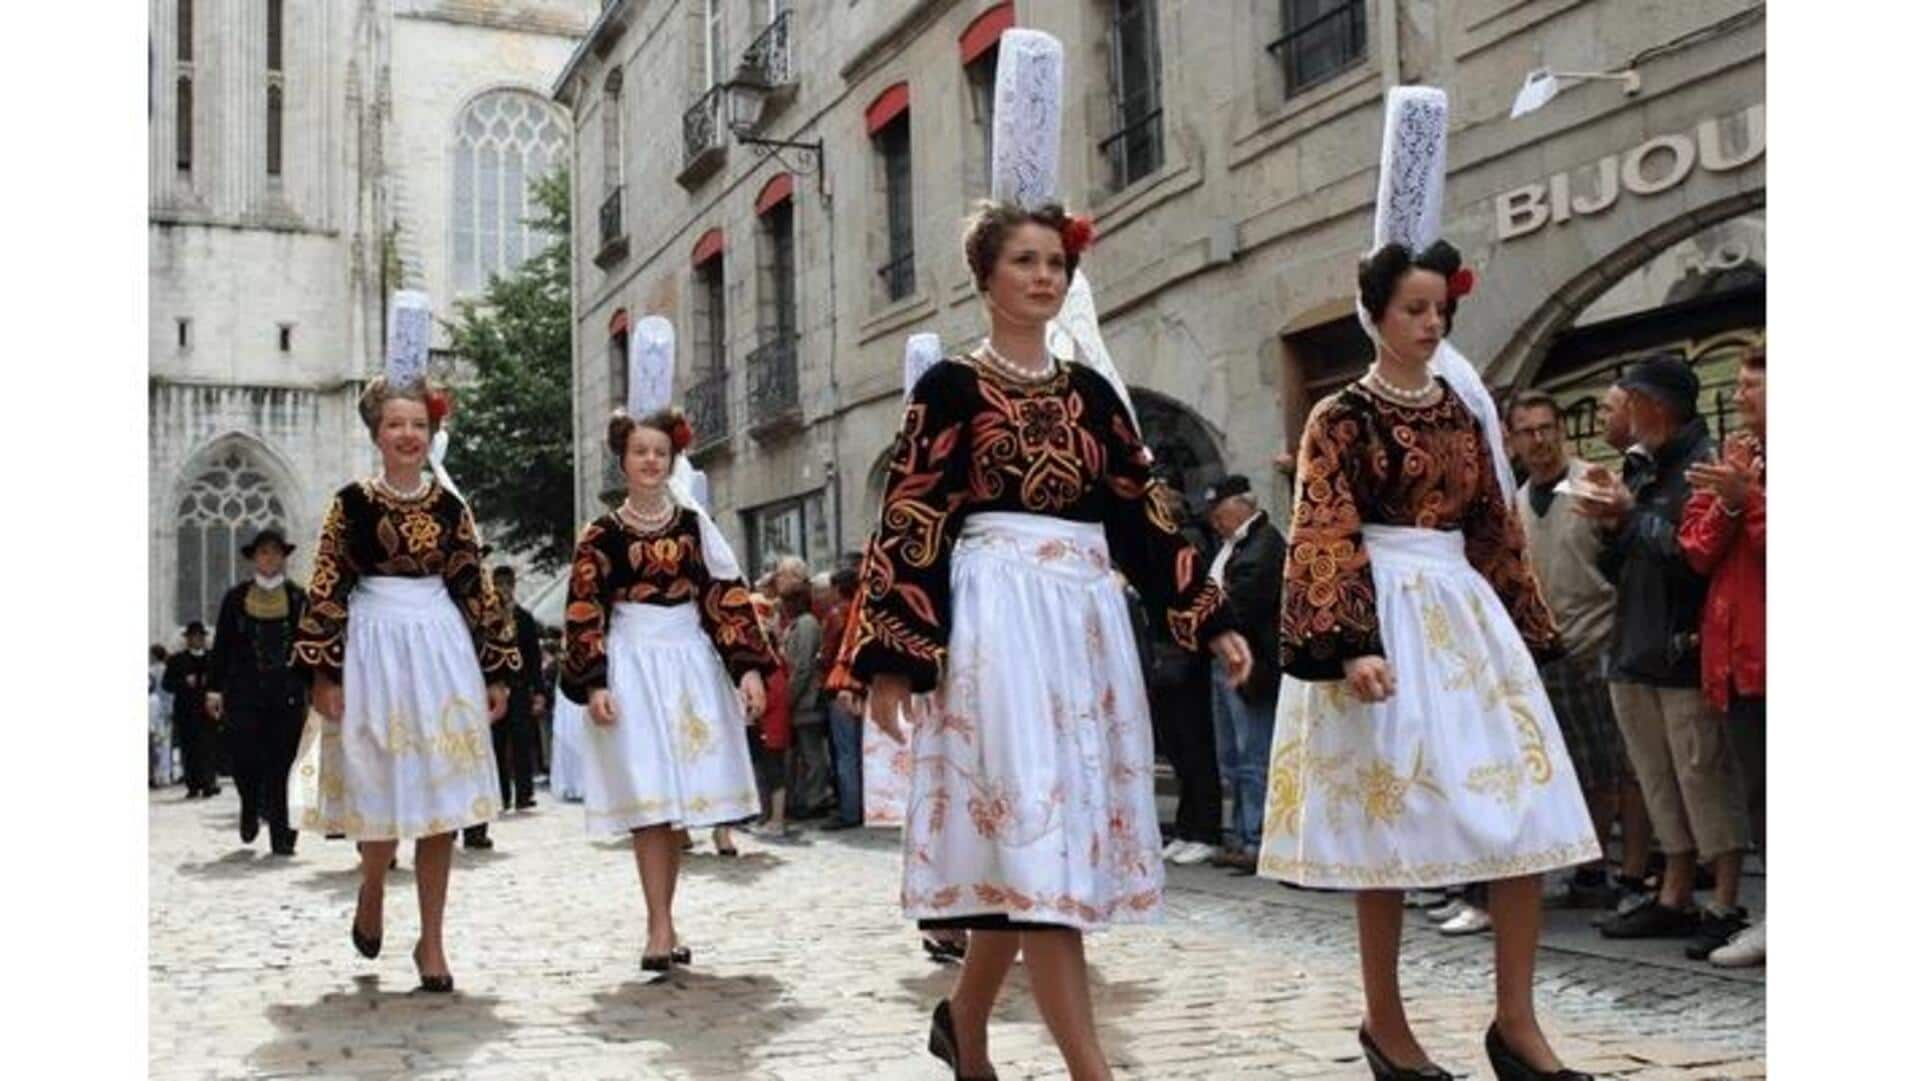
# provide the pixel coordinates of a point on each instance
(1135, 148)
(503, 140)
(893, 148)
(1307, 26)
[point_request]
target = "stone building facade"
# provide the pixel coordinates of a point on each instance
(1228, 150)
(307, 158)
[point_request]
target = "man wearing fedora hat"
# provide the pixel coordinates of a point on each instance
(253, 687)
(193, 727)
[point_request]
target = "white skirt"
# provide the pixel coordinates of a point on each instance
(886, 767)
(412, 755)
(564, 778)
(1460, 777)
(1032, 791)
(676, 752)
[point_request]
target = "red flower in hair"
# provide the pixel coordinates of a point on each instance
(1460, 283)
(681, 435)
(439, 404)
(1078, 234)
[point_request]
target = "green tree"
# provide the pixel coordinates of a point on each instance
(511, 437)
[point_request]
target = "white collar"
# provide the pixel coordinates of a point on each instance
(272, 583)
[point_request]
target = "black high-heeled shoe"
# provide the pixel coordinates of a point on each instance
(681, 955)
(1385, 1069)
(1508, 1066)
(656, 962)
(945, 1046)
(438, 985)
(368, 945)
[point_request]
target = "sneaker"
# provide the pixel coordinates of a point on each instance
(1717, 928)
(1470, 921)
(1172, 848)
(1746, 949)
(1425, 899)
(1194, 853)
(1558, 893)
(1446, 912)
(1652, 921)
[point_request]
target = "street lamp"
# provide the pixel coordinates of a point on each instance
(1541, 86)
(746, 101)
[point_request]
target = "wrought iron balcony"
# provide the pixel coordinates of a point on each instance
(707, 410)
(769, 60)
(613, 232)
(773, 385)
(704, 137)
(1323, 46)
(897, 276)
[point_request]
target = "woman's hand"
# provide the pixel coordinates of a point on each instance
(753, 695)
(328, 699)
(496, 702)
(600, 707)
(885, 699)
(1370, 678)
(1232, 650)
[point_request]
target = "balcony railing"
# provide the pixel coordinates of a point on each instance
(613, 232)
(707, 410)
(773, 383)
(1322, 46)
(1134, 151)
(701, 129)
(897, 276)
(770, 58)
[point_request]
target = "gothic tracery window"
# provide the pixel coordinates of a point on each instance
(506, 139)
(226, 504)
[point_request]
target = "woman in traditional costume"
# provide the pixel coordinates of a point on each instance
(408, 649)
(659, 633)
(1017, 481)
(1414, 746)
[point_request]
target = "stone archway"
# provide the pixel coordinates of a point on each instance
(1517, 363)
(1185, 451)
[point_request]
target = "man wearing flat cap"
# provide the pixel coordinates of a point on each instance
(1678, 748)
(1248, 570)
(193, 728)
(254, 689)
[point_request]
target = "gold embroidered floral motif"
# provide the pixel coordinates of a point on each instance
(1438, 873)
(693, 735)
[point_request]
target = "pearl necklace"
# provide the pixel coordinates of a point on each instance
(1019, 373)
(649, 521)
(1416, 396)
(380, 482)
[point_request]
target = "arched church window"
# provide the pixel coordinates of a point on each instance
(505, 140)
(226, 504)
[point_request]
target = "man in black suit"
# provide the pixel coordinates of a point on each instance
(516, 742)
(252, 687)
(193, 728)
(1248, 569)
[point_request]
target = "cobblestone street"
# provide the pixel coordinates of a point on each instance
(805, 970)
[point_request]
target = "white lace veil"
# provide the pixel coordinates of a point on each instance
(650, 364)
(1028, 95)
(923, 352)
(1407, 211)
(409, 334)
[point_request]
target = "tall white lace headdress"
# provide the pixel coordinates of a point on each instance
(1028, 95)
(1407, 211)
(409, 335)
(650, 368)
(923, 352)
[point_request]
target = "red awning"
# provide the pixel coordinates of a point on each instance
(709, 245)
(984, 32)
(890, 104)
(777, 191)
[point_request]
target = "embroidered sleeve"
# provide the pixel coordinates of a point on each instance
(320, 641)
(1145, 539)
(583, 655)
(1496, 545)
(471, 587)
(726, 612)
(1327, 612)
(899, 621)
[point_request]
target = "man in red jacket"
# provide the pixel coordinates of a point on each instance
(1724, 536)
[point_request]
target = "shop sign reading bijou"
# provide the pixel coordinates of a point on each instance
(1652, 167)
